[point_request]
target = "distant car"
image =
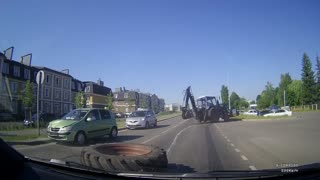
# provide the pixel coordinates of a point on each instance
(280, 112)
(119, 115)
(127, 114)
(142, 118)
(251, 113)
(6, 116)
(43, 117)
(261, 113)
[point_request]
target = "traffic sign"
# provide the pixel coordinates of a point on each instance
(40, 77)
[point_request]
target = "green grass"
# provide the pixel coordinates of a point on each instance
(305, 110)
(22, 138)
(14, 126)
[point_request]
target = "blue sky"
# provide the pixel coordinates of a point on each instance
(163, 46)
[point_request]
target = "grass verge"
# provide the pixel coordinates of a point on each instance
(22, 138)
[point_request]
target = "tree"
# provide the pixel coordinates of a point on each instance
(109, 102)
(225, 94)
(252, 102)
(131, 102)
(268, 96)
(318, 79)
(234, 100)
(308, 81)
(144, 104)
(258, 98)
(294, 94)
(27, 97)
(80, 100)
(285, 80)
(243, 103)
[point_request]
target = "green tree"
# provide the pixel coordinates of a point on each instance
(308, 81)
(285, 80)
(294, 94)
(267, 97)
(109, 102)
(80, 100)
(318, 78)
(225, 94)
(144, 103)
(234, 100)
(131, 102)
(28, 98)
(243, 103)
(252, 102)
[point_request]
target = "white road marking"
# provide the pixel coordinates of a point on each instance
(236, 149)
(232, 144)
(148, 140)
(253, 168)
(244, 158)
(175, 138)
(228, 140)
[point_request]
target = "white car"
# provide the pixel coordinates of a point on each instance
(141, 118)
(251, 112)
(280, 112)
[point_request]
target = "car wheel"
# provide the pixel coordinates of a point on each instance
(147, 125)
(113, 133)
(80, 139)
(155, 124)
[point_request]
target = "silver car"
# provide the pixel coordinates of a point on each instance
(141, 119)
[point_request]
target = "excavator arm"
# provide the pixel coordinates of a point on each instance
(186, 112)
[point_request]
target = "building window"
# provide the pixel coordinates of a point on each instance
(46, 92)
(65, 96)
(14, 87)
(57, 81)
(48, 78)
(26, 73)
(66, 83)
(125, 95)
(79, 87)
(73, 85)
(87, 89)
(57, 94)
(16, 71)
(5, 68)
(65, 108)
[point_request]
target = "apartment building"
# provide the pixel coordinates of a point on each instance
(96, 94)
(125, 100)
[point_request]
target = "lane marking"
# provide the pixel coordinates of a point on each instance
(228, 140)
(232, 144)
(253, 168)
(244, 158)
(175, 138)
(236, 149)
(148, 140)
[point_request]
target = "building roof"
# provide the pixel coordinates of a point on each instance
(51, 70)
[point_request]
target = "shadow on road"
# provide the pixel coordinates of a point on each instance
(179, 168)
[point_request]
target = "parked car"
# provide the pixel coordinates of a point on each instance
(261, 113)
(127, 114)
(141, 118)
(79, 125)
(280, 112)
(251, 112)
(43, 117)
(6, 116)
(120, 115)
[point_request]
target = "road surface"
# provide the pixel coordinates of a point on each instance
(234, 145)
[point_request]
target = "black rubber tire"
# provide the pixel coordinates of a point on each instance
(214, 117)
(111, 136)
(147, 125)
(76, 139)
(155, 160)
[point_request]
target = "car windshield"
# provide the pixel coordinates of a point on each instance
(163, 86)
(75, 115)
(138, 114)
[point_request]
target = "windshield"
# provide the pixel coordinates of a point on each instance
(169, 86)
(138, 114)
(75, 115)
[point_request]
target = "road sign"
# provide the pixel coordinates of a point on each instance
(40, 77)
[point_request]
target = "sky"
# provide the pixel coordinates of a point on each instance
(164, 46)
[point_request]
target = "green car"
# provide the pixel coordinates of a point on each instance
(79, 125)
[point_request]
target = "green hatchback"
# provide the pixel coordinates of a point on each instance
(79, 125)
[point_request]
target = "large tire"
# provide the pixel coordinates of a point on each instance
(214, 116)
(113, 133)
(124, 157)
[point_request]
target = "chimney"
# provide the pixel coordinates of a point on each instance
(121, 89)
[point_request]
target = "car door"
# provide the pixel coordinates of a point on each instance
(149, 118)
(92, 123)
(106, 122)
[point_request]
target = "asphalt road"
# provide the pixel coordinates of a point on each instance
(233, 145)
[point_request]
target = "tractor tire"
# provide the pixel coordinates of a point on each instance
(226, 117)
(214, 116)
(184, 115)
(124, 157)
